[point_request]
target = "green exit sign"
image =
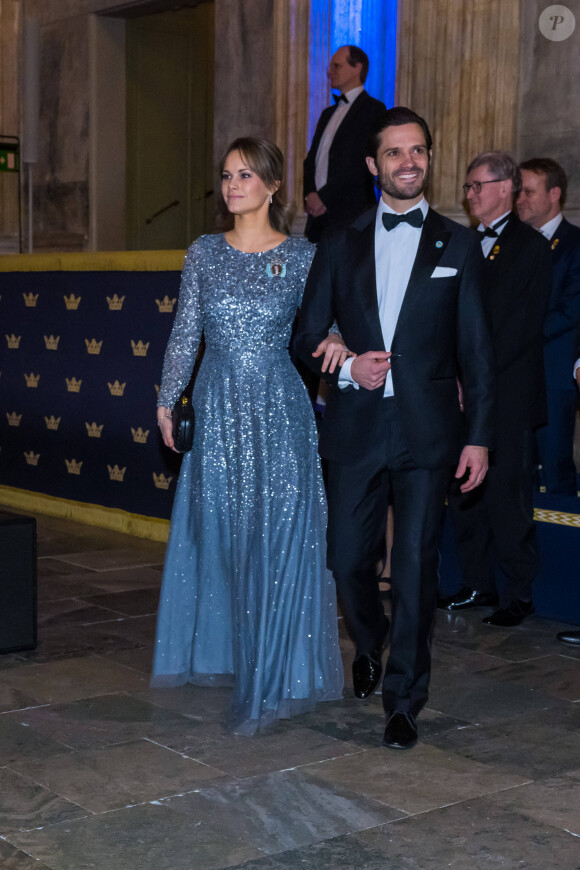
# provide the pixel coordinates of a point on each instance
(9, 160)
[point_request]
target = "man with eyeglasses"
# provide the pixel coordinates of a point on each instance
(494, 525)
(337, 183)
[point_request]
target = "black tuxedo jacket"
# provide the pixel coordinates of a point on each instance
(441, 334)
(562, 323)
(517, 285)
(349, 189)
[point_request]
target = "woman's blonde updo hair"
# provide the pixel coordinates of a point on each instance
(265, 159)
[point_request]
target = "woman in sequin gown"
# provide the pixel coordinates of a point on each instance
(246, 598)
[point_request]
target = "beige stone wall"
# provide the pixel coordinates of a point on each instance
(9, 114)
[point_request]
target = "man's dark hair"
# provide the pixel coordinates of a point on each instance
(555, 175)
(396, 117)
(357, 55)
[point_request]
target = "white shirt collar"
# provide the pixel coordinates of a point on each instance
(423, 205)
(495, 221)
(353, 94)
(549, 228)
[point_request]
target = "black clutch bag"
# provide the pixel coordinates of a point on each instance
(183, 425)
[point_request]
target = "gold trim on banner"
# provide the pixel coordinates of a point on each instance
(101, 261)
(153, 528)
(543, 515)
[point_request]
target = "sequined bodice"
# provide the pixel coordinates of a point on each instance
(243, 303)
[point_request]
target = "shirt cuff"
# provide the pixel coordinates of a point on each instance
(345, 378)
(576, 367)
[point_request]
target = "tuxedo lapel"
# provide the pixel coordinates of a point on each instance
(365, 276)
(434, 239)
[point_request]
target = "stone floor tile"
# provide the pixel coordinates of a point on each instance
(202, 703)
(345, 852)
(72, 679)
(416, 781)
(134, 602)
(139, 658)
(12, 858)
(25, 804)
(120, 775)
(553, 801)
(543, 744)
(20, 742)
(149, 553)
(145, 837)
(66, 612)
(93, 723)
(553, 675)
(473, 835)
(120, 633)
(283, 811)
(13, 699)
(285, 748)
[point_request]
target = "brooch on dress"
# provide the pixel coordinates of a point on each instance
(276, 269)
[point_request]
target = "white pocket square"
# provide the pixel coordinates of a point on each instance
(443, 272)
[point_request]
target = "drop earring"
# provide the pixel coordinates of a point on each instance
(270, 199)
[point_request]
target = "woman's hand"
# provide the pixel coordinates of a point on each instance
(165, 424)
(335, 352)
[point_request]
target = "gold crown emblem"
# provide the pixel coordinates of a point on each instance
(115, 302)
(93, 346)
(30, 299)
(139, 349)
(52, 422)
(116, 389)
(51, 341)
(166, 304)
(73, 467)
(94, 431)
(116, 473)
(13, 341)
(157, 388)
(14, 418)
(72, 302)
(72, 385)
(31, 380)
(139, 436)
(161, 482)
(31, 457)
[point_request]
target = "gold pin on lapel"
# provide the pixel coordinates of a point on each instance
(494, 252)
(554, 243)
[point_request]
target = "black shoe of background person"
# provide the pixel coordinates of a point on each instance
(572, 638)
(467, 597)
(367, 669)
(401, 731)
(513, 614)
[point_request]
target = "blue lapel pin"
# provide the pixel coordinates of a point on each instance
(438, 244)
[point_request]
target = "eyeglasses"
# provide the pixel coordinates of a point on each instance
(477, 185)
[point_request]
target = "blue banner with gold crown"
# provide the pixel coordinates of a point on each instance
(81, 352)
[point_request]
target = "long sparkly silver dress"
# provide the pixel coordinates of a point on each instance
(246, 597)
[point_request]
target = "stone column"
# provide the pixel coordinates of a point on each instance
(458, 66)
(10, 11)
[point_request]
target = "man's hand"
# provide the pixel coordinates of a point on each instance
(313, 205)
(335, 352)
(369, 369)
(476, 460)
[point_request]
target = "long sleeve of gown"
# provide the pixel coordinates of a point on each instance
(185, 335)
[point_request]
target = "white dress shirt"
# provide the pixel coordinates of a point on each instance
(395, 253)
(487, 242)
(336, 119)
(551, 226)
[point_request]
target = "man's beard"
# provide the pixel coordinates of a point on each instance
(387, 185)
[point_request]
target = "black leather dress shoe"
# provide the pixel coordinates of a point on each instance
(401, 731)
(368, 668)
(513, 614)
(467, 597)
(570, 637)
(366, 674)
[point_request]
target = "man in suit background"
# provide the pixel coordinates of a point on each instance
(539, 204)
(403, 284)
(337, 183)
(494, 527)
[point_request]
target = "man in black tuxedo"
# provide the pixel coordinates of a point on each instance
(403, 284)
(337, 183)
(540, 205)
(494, 527)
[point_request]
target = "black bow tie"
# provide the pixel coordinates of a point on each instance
(415, 218)
(339, 98)
(491, 232)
